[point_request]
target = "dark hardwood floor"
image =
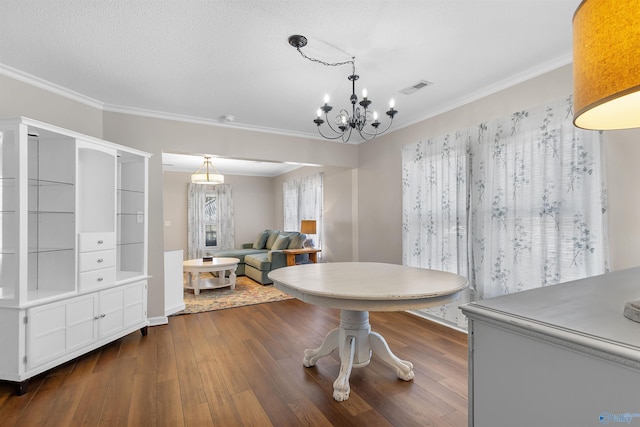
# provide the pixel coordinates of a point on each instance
(243, 366)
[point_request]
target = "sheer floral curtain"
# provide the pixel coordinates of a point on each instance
(290, 197)
(196, 218)
(303, 200)
(226, 222)
(536, 207)
(435, 204)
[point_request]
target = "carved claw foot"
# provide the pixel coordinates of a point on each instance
(341, 386)
(310, 357)
(403, 369)
(329, 344)
(341, 391)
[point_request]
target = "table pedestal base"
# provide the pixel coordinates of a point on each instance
(197, 284)
(356, 342)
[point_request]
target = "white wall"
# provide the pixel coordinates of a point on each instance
(253, 204)
(258, 205)
(338, 206)
(157, 135)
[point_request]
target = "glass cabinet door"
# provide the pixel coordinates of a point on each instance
(131, 235)
(9, 137)
(51, 215)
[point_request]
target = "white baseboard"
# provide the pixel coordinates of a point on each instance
(438, 320)
(157, 321)
(175, 309)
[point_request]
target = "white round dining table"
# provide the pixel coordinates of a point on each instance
(355, 288)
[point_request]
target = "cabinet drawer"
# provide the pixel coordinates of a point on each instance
(97, 278)
(97, 260)
(89, 242)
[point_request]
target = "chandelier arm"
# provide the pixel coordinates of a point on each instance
(379, 132)
(328, 122)
(340, 135)
(348, 136)
(366, 135)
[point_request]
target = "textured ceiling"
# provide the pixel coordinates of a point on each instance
(202, 60)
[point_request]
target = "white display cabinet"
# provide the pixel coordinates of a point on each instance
(73, 245)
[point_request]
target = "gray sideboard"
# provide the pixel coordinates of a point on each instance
(562, 355)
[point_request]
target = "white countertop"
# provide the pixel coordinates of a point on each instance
(586, 311)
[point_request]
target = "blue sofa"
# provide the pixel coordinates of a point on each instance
(265, 254)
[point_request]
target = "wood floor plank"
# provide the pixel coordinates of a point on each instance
(43, 402)
(117, 402)
(243, 366)
(89, 409)
(170, 412)
(191, 386)
(308, 414)
(220, 401)
(144, 403)
(250, 410)
(198, 416)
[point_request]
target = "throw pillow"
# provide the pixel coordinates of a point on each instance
(281, 243)
(296, 241)
(261, 240)
(273, 235)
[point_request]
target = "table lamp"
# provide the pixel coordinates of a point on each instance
(606, 74)
(308, 226)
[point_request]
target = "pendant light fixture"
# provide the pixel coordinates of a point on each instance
(606, 64)
(360, 118)
(207, 177)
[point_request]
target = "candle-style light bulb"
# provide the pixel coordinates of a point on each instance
(392, 103)
(319, 112)
(364, 93)
(375, 116)
(326, 98)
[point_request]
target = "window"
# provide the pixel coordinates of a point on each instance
(529, 192)
(210, 220)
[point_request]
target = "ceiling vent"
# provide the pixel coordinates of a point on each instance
(416, 87)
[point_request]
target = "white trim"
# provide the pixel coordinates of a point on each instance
(159, 320)
(171, 310)
(491, 89)
(437, 320)
(50, 87)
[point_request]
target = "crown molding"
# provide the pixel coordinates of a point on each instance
(94, 103)
(49, 86)
(201, 121)
(489, 90)
(493, 88)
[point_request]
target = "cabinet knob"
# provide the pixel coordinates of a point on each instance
(100, 260)
(103, 315)
(96, 318)
(100, 279)
(100, 242)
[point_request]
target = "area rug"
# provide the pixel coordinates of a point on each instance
(246, 292)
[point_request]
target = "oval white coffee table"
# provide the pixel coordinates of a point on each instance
(357, 288)
(193, 268)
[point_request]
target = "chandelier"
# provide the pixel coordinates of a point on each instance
(207, 178)
(360, 118)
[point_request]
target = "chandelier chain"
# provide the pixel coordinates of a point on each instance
(330, 64)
